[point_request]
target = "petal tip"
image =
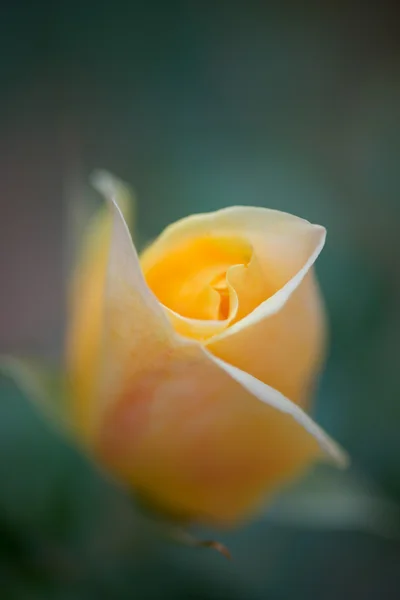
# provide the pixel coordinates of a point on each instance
(103, 182)
(115, 191)
(336, 454)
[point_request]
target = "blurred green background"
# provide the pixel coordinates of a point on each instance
(203, 105)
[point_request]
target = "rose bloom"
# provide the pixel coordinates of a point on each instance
(190, 367)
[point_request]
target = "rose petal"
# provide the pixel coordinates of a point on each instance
(275, 399)
(45, 386)
(136, 331)
(286, 349)
(282, 341)
(195, 435)
(86, 306)
(199, 443)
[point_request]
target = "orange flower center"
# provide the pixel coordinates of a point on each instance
(192, 278)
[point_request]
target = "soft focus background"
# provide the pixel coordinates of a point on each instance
(202, 105)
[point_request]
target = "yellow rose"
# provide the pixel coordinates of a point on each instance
(190, 366)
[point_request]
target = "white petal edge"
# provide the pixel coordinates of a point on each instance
(330, 449)
(124, 257)
(111, 187)
(125, 283)
(184, 227)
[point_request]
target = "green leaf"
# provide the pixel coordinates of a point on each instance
(45, 386)
(335, 500)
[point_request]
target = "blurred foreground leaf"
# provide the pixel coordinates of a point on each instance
(335, 500)
(45, 386)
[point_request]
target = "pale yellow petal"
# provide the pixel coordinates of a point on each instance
(286, 349)
(282, 341)
(192, 434)
(85, 306)
(136, 332)
(204, 441)
(85, 321)
(273, 398)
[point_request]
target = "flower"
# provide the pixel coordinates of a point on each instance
(190, 366)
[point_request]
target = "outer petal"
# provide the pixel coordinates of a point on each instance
(194, 435)
(84, 333)
(282, 342)
(284, 349)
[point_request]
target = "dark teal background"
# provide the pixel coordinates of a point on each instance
(202, 105)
